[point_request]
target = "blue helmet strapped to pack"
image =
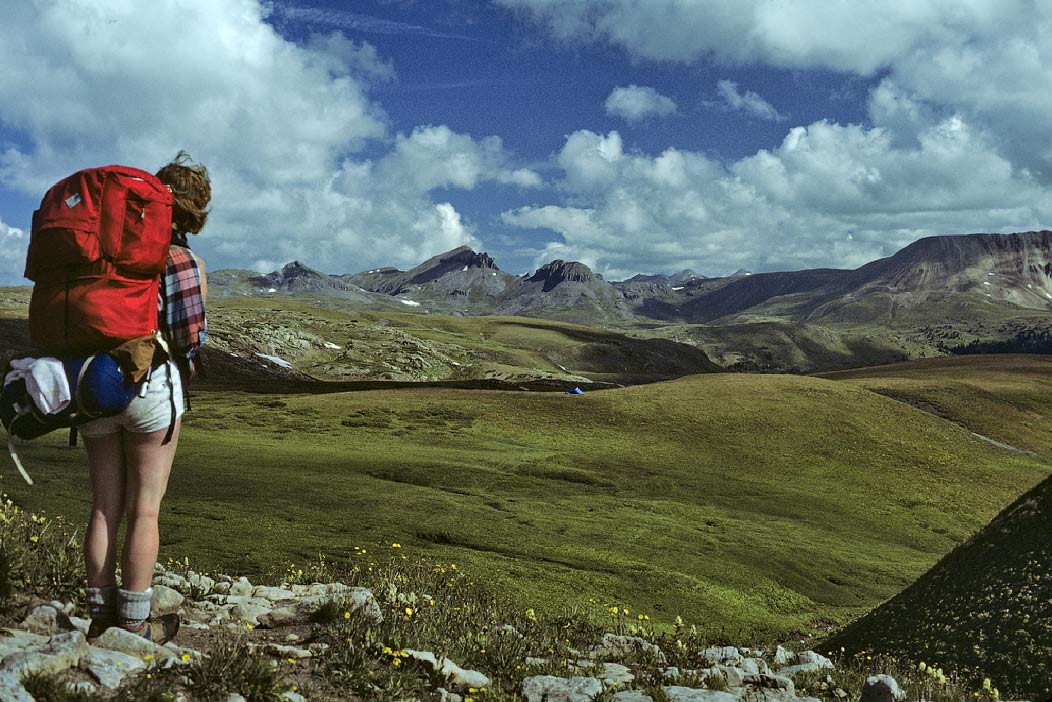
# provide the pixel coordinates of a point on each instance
(99, 387)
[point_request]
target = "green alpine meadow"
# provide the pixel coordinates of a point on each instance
(758, 507)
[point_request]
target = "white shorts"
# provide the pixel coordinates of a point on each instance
(146, 413)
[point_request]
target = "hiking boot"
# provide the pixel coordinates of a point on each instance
(160, 630)
(97, 627)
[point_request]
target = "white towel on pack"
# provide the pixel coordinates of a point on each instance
(46, 382)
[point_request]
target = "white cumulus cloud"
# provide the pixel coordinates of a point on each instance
(634, 103)
(283, 128)
(988, 60)
(828, 193)
(748, 102)
(13, 244)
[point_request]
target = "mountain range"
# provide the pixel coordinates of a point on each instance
(998, 269)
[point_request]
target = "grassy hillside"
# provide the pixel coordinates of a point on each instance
(753, 505)
(1006, 398)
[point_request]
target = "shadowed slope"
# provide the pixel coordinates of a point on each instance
(985, 609)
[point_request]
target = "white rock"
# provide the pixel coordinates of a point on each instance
(783, 657)
(242, 587)
(632, 696)
(283, 651)
(248, 613)
(689, 694)
(235, 697)
(548, 688)
(290, 696)
(770, 682)
(202, 584)
(355, 599)
(173, 581)
(614, 646)
(783, 696)
(165, 599)
(445, 695)
(722, 655)
(61, 652)
(11, 689)
(117, 639)
(14, 640)
(881, 688)
(458, 677)
(82, 688)
(616, 674)
(110, 667)
(273, 594)
(282, 616)
(47, 619)
(734, 676)
(810, 657)
(80, 625)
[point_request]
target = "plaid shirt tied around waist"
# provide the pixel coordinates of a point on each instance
(181, 306)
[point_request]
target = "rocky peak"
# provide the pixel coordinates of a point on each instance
(558, 271)
(295, 275)
(460, 259)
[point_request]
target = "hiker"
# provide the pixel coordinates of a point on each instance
(130, 454)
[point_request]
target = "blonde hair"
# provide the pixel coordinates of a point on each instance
(191, 192)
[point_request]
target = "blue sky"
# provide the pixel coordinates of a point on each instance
(635, 137)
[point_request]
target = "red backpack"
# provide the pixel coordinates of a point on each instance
(98, 247)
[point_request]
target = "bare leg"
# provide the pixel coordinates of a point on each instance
(106, 471)
(148, 466)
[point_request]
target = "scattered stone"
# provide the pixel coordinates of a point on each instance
(548, 688)
(881, 688)
(783, 657)
(806, 662)
(690, 694)
(273, 594)
(235, 697)
(283, 651)
(722, 655)
(615, 674)
(632, 696)
(11, 689)
(614, 646)
(282, 616)
(110, 667)
(61, 651)
(248, 613)
(14, 640)
(165, 599)
(47, 619)
(445, 695)
(770, 682)
(458, 677)
(290, 696)
(201, 584)
(241, 587)
(734, 676)
(117, 639)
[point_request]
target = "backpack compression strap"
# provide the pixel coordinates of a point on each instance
(22, 411)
